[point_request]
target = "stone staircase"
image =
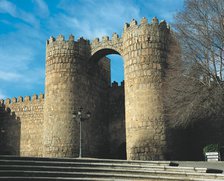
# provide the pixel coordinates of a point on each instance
(67, 169)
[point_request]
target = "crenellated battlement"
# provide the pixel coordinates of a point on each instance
(21, 99)
(114, 42)
(60, 46)
(61, 39)
(144, 21)
(115, 84)
(106, 40)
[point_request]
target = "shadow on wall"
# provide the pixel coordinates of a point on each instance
(121, 152)
(187, 144)
(10, 131)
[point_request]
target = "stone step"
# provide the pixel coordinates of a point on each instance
(102, 167)
(152, 178)
(107, 173)
(106, 176)
(89, 160)
(33, 168)
(50, 178)
(75, 163)
(68, 165)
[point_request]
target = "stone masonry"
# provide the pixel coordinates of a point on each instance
(21, 125)
(145, 52)
(127, 122)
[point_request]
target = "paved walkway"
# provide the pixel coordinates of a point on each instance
(202, 164)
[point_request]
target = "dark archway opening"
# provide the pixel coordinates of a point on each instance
(108, 68)
(121, 152)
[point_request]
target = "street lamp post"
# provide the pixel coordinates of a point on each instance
(79, 117)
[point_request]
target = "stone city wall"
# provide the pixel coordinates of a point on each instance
(76, 76)
(21, 121)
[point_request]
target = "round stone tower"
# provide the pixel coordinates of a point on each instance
(145, 53)
(65, 62)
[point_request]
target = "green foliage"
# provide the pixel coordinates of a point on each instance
(211, 148)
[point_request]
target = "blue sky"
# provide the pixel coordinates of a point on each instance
(25, 25)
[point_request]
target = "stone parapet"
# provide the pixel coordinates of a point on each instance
(21, 99)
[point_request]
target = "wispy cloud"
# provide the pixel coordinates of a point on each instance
(20, 65)
(42, 8)
(27, 78)
(8, 7)
(98, 17)
(21, 82)
(14, 11)
(30, 76)
(72, 25)
(15, 55)
(10, 76)
(163, 9)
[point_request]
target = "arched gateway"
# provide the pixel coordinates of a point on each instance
(77, 76)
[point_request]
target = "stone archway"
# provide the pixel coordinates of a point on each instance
(144, 49)
(115, 109)
(115, 45)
